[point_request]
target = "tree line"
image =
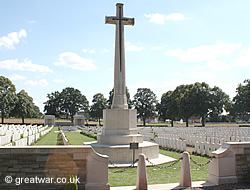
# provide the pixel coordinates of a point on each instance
(14, 104)
(198, 99)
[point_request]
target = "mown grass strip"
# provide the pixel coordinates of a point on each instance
(49, 139)
(156, 175)
(76, 138)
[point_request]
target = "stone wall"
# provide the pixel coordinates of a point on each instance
(48, 167)
(243, 165)
(231, 163)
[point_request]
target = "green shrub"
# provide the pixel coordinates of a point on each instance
(71, 183)
(60, 139)
(95, 136)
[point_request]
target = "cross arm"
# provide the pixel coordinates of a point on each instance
(110, 20)
(128, 21)
(125, 21)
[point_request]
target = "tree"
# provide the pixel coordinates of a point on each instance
(72, 101)
(110, 100)
(200, 93)
(219, 101)
(25, 107)
(8, 97)
(68, 102)
(185, 101)
(53, 104)
(99, 104)
(241, 102)
(168, 107)
(145, 103)
(200, 100)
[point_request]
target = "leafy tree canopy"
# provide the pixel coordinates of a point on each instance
(241, 102)
(25, 106)
(8, 96)
(145, 103)
(68, 103)
(99, 104)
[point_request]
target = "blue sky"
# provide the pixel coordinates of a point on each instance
(46, 46)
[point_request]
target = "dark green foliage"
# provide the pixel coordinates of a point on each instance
(71, 183)
(193, 100)
(25, 107)
(99, 104)
(145, 103)
(53, 105)
(241, 102)
(8, 97)
(67, 103)
(89, 135)
(60, 139)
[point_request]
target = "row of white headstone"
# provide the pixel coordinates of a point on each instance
(204, 140)
(171, 143)
(65, 140)
(21, 135)
(91, 130)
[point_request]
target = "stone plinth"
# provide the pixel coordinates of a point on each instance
(119, 130)
(222, 168)
(119, 127)
(49, 120)
(121, 154)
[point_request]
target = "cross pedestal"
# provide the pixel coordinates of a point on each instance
(119, 127)
(119, 122)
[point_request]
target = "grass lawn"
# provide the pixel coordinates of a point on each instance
(127, 177)
(77, 138)
(49, 139)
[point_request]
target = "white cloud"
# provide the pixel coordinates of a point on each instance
(31, 22)
(17, 77)
(175, 74)
(202, 75)
(227, 86)
(172, 84)
(106, 50)
(42, 82)
(26, 65)
(204, 52)
(161, 18)
(216, 65)
(177, 52)
(131, 47)
(141, 84)
(59, 81)
(74, 61)
(156, 18)
(175, 16)
(12, 38)
(90, 51)
(157, 47)
(243, 60)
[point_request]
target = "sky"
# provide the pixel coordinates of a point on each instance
(46, 46)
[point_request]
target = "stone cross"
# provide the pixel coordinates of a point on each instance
(119, 98)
